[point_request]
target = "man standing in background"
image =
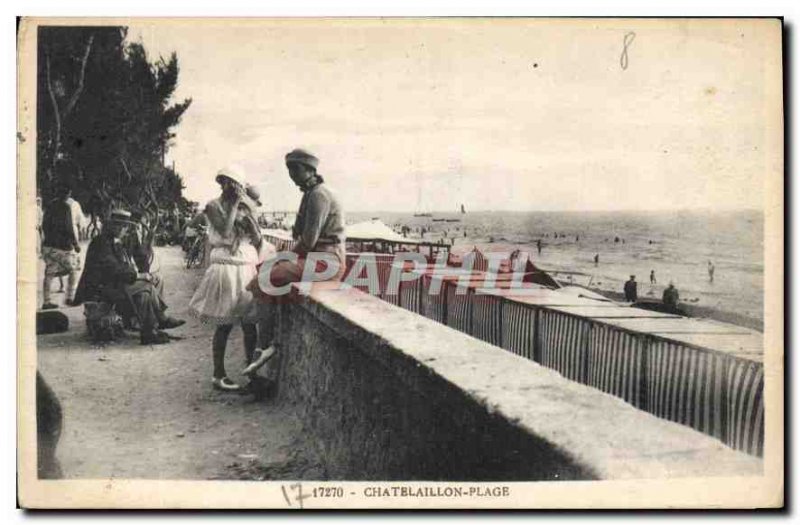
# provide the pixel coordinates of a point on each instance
(630, 290)
(59, 246)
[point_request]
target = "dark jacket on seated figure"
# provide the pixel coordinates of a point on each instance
(110, 275)
(107, 270)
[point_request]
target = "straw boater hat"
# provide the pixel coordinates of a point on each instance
(121, 216)
(301, 156)
(233, 173)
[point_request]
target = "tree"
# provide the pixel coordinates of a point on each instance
(105, 121)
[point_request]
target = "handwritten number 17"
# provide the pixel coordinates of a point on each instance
(297, 489)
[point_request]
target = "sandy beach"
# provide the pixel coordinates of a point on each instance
(677, 246)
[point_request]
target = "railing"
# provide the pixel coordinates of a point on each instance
(282, 243)
(713, 392)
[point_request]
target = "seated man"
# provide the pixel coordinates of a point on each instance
(110, 275)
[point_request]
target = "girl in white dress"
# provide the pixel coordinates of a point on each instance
(222, 298)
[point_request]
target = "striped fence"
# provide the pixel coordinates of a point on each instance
(713, 392)
(616, 364)
(282, 243)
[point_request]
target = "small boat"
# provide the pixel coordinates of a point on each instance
(423, 215)
(452, 220)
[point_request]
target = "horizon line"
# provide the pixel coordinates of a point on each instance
(620, 210)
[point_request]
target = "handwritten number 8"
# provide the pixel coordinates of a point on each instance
(626, 42)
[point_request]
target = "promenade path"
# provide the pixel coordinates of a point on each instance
(143, 412)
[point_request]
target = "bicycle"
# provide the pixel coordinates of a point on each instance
(197, 251)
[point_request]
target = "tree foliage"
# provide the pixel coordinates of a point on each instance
(105, 121)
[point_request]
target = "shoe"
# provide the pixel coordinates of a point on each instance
(155, 338)
(171, 322)
(260, 360)
(225, 384)
(49, 306)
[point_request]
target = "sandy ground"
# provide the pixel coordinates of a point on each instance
(133, 411)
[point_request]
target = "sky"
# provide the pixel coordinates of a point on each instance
(498, 114)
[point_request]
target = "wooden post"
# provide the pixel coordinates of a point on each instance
(500, 302)
(443, 292)
(588, 332)
(644, 379)
(537, 345)
(723, 402)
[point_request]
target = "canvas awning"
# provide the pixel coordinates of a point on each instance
(376, 230)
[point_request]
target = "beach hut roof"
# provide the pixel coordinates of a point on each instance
(375, 230)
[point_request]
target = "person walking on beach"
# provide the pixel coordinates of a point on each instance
(652, 277)
(319, 227)
(222, 297)
(671, 297)
(630, 290)
(710, 272)
(539, 246)
(596, 259)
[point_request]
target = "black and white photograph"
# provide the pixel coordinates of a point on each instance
(432, 263)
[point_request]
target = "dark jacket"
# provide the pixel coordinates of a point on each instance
(57, 226)
(108, 268)
(670, 297)
(630, 291)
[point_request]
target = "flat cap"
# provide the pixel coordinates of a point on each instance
(302, 157)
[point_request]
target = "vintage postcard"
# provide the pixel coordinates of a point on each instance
(400, 263)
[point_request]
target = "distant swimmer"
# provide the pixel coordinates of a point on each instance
(577, 238)
(630, 290)
(616, 239)
(653, 277)
(596, 259)
(710, 272)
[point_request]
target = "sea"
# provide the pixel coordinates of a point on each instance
(676, 245)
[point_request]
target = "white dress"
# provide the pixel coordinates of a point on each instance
(222, 297)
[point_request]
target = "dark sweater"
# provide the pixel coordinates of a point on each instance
(57, 226)
(319, 220)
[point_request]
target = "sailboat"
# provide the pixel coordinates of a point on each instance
(419, 200)
(456, 220)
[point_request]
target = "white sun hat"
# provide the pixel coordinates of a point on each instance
(234, 173)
